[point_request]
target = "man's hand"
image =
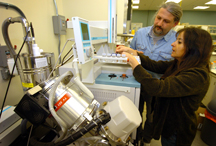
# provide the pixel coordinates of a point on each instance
(121, 49)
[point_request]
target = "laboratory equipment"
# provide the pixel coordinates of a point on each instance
(4, 55)
(71, 105)
(112, 19)
(9, 126)
(82, 39)
(209, 124)
(94, 73)
(33, 66)
(86, 36)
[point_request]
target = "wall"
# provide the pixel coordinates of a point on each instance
(199, 17)
(40, 13)
(191, 17)
(145, 17)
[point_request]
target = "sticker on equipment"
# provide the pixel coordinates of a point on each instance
(41, 62)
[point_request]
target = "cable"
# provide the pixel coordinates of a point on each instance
(102, 119)
(12, 73)
(67, 54)
(59, 38)
(54, 68)
(59, 48)
(66, 60)
(52, 129)
(56, 7)
(32, 32)
(71, 56)
(30, 135)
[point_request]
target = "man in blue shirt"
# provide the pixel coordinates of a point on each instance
(155, 41)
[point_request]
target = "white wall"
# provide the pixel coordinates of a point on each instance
(40, 13)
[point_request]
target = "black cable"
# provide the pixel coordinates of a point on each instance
(32, 30)
(12, 75)
(103, 119)
(68, 59)
(52, 129)
(66, 54)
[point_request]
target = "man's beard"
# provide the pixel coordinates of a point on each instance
(158, 32)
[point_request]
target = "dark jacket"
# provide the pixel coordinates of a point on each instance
(176, 98)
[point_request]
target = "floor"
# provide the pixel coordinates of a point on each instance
(197, 141)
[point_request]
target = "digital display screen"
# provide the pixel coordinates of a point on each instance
(85, 33)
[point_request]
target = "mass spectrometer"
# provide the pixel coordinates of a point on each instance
(106, 74)
(83, 120)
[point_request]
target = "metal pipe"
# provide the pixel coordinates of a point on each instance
(58, 34)
(56, 7)
(25, 25)
(6, 5)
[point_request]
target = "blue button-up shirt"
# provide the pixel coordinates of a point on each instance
(161, 50)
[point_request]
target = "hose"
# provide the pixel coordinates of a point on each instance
(65, 81)
(103, 119)
(6, 5)
(78, 81)
(5, 26)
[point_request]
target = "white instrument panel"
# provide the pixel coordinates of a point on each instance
(83, 39)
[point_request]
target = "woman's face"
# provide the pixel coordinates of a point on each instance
(178, 47)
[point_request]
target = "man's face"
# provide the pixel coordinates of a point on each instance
(164, 21)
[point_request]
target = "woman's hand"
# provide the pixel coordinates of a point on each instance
(131, 60)
(121, 49)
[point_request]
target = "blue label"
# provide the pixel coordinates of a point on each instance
(86, 44)
(99, 38)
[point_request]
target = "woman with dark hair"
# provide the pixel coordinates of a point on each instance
(179, 92)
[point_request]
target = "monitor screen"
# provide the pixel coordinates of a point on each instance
(85, 33)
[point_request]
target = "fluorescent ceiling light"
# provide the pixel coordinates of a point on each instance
(212, 2)
(201, 7)
(176, 1)
(135, 7)
(136, 1)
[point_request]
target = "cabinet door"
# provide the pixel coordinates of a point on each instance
(211, 93)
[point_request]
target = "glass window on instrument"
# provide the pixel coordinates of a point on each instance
(85, 32)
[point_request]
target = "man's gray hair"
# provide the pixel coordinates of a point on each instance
(174, 9)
